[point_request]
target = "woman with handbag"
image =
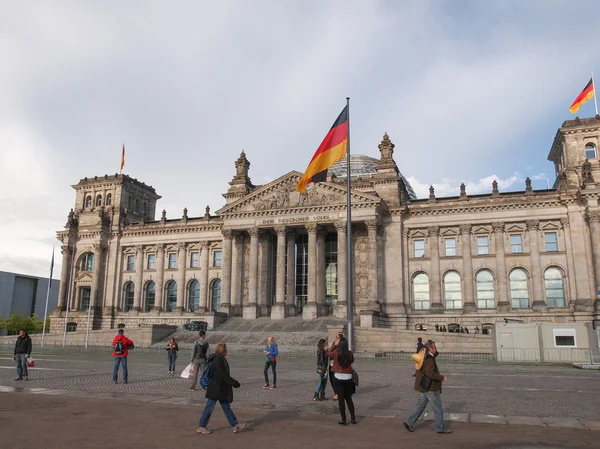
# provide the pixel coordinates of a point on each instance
(322, 362)
(172, 349)
(271, 352)
(343, 372)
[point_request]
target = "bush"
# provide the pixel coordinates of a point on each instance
(17, 321)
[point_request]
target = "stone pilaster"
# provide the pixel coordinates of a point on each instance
(159, 292)
(250, 310)
(181, 287)
(593, 219)
(503, 303)
(536, 270)
(341, 307)
(290, 298)
(372, 226)
(63, 289)
(469, 305)
(311, 311)
(98, 264)
(203, 307)
(226, 271)
(321, 282)
(434, 248)
(278, 310)
(139, 267)
(237, 265)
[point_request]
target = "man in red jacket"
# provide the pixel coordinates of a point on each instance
(121, 345)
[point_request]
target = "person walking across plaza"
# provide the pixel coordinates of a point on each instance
(271, 352)
(201, 348)
(121, 345)
(342, 370)
(172, 349)
(322, 362)
(21, 354)
(219, 389)
(429, 385)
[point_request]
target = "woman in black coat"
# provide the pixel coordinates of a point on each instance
(220, 389)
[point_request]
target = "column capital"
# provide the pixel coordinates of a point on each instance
(254, 232)
(532, 225)
(139, 248)
(564, 221)
(280, 230)
(433, 231)
(227, 233)
(311, 228)
(160, 247)
(498, 226)
(465, 228)
(341, 226)
(593, 217)
(181, 246)
(372, 224)
(98, 247)
(66, 250)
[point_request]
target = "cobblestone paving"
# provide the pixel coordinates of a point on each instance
(385, 386)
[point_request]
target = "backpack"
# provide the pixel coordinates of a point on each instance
(207, 375)
(119, 349)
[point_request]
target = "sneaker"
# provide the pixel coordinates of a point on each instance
(26, 378)
(239, 427)
(410, 429)
(18, 378)
(446, 431)
(192, 388)
(203, 431)
(273, 387)
(266, 386)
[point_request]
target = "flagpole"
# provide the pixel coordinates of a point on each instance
(47, 296)
(594, 86)
(349, 252)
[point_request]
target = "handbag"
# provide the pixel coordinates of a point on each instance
(355, 378)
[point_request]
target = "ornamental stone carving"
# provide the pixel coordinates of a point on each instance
(532, 225)
(433, 231)
(340, 226)
(593, 217)
(139, 248)
(227, 233)
(204, 244)
(498, 226)
(361, 268)
(98, 247)
(564, 221)
(311, 228)
(465, 229)
(278, 200)
(372, 224)
(431, 193)
(254, 232)
(160, 247)
(280, 230)
(65, 250)
(315, 197)
(180, 246)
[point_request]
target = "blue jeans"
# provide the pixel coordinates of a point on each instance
(21, 365)
(172, 358)
(322, 385)
(273, 366)
(118, 361)
(210, 407)
(435, 399)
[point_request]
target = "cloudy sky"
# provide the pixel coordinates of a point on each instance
(468, 91)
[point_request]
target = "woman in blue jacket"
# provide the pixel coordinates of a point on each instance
(271, 361)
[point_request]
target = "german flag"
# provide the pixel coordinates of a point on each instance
(586, 94)
(332, 149)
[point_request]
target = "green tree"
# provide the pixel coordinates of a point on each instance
(18, 321)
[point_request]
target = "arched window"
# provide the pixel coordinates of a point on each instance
(215, 294)
(590, 151)
(555, 288)
(452, 290)
(171, 296)
(519, 289)
(88, 201)
(421, 291)
(108, 199)
(98, 200)
(485, 290)
(128, 297)
(193, 295)
(149, 295)
(87, 262)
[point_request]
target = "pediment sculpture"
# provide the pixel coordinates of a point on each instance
(288, 197)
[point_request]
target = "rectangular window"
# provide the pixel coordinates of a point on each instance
(151, 262)
(130, 263)
(565, 338)
(216, 258)
(516, 244)
(419, 248)
(450, 247)
(483, 245)
(172, 260)
(551, 240)
(194, 257)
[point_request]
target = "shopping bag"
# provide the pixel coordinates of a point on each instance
(188, 371)
(30, 362)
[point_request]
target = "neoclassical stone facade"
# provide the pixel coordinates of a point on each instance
(475, 260)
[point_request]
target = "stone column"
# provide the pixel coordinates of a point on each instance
(593, 219)
(237, 265)
(503, 303)
(63, 289)
(536, 270)
(321, 281)
(226, 271)
(250, 310)
(98, 263)
(181, 287)
(278, 310)
(138, 288)
(159, 291)
(469, 305)
(341, 307)
(373, 265)
(311, 311)
(290, 298)
(436, 291)
(203, 306)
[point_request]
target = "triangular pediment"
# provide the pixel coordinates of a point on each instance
(281, 194)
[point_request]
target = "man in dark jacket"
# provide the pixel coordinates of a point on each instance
(428, 383)
(198, 361)
(220, 389)
(22, 353)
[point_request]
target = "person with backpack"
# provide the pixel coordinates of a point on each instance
(271, 352)
(22, 353)
(322, 362)
(343, 372)
(219, 387)
(121, 345)
(172, 349)
(199, 354)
